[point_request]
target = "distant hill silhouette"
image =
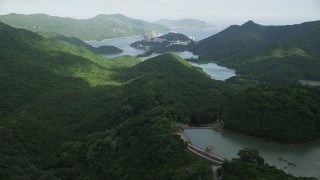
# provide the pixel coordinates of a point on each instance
(97, 28)
(186, 23)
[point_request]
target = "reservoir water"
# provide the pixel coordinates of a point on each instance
(215, 71)
(226, 145)
(122, 43)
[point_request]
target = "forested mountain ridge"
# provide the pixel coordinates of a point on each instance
(67, 113)
(284, 114)
(248, 37)
(267, 54)
(78, 42)
(98, 28)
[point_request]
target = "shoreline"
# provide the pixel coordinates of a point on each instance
(103, 40)
(252, 137)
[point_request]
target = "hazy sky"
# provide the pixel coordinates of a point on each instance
(218, 11)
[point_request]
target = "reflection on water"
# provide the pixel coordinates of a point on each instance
(122, 43)
(215, 71)
(226, 145)
(199, 34)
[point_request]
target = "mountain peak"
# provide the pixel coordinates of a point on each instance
(250, 23)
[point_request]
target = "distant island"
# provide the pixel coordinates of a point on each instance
(172, 41)
(100, 27)
(186, 23)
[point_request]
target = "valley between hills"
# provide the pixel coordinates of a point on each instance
(69, 113)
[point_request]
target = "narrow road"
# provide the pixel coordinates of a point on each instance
(214, 171)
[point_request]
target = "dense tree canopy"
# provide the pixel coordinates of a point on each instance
(66, 113)
(250, 165)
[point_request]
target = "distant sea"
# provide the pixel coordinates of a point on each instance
(199, 34)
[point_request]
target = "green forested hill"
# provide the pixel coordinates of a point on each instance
(97, 28)
(78, 42)
(267, 54)
(286, 114)
(248, 37)
(169, 64)
(250, 165)
(287, 61)
(69, 114)
(66, 113)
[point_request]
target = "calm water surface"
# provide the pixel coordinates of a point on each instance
(226, 145)
(199, 34)
(122, 43)
(215, 71)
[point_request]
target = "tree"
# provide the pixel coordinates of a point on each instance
(250, 156)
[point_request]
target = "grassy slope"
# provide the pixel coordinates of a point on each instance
(97, 28)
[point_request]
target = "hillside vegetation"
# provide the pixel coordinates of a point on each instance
(267, 54)
(69, 114)
(250, 165)
(98, 28)
(78, 42)
(286, 114)
(66, 113)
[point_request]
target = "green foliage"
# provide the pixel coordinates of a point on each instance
(246, 167)
(98, 28)
(286, 114)
(267, 54)
(66, 113)
(247, 38)
(165, 64)
(249, 155)
(78, 42)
